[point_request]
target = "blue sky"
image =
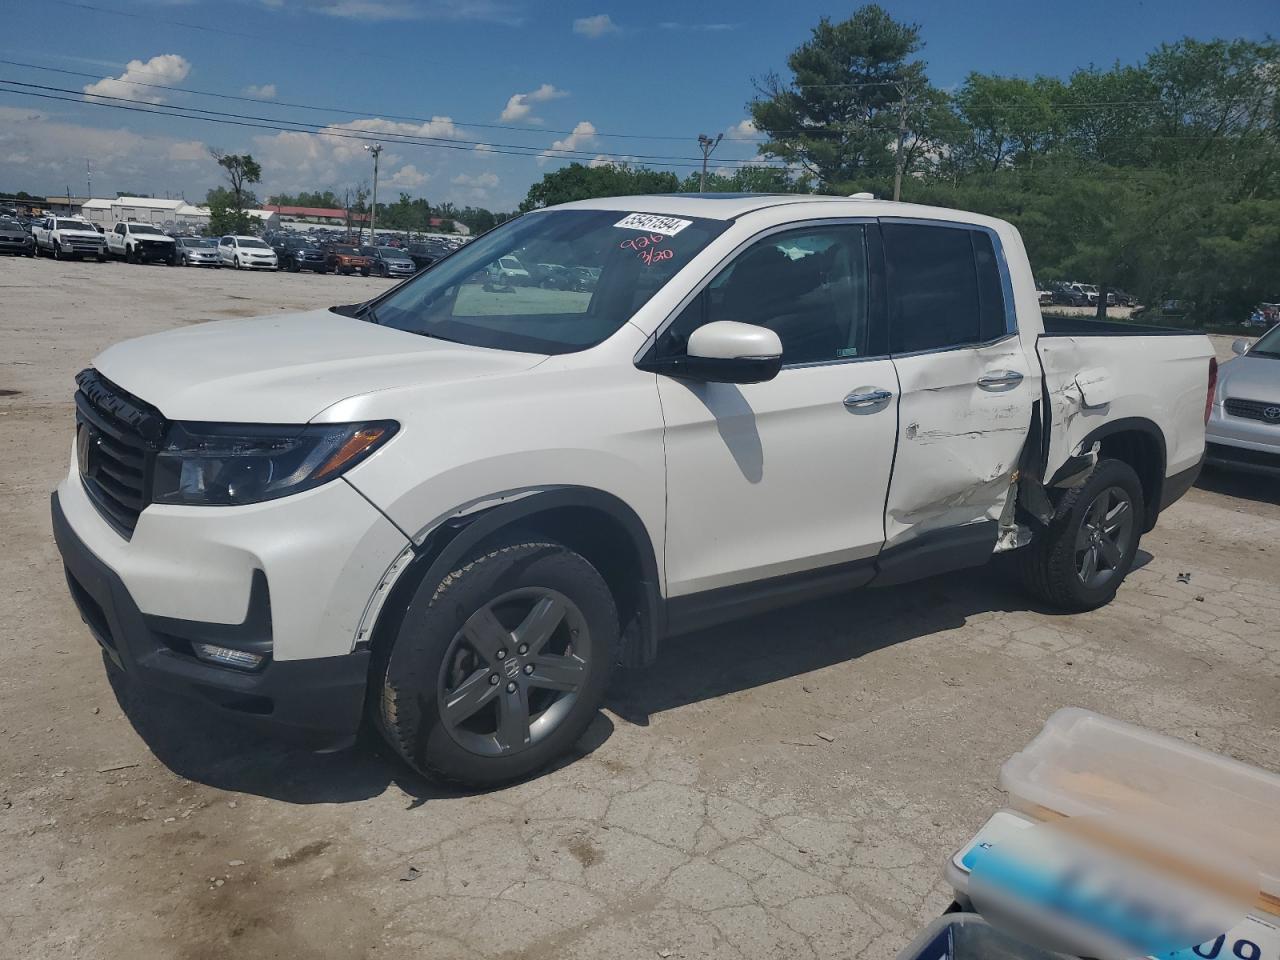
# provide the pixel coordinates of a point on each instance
(564, 74)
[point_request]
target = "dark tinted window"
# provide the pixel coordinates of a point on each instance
(944, 287)
(809, 286)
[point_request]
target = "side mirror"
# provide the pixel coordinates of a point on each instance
(1240, 346)
(726, 352)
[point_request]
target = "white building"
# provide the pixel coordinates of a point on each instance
(177, 215)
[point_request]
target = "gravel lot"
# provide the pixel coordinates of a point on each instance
(788, 786)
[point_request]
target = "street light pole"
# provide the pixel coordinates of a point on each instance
(374, 149)
(707, 145)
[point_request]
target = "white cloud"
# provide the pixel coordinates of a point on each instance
(190, 151)
(697, 27)
(521, 104)
(489, 11)
(595, 27)
(482, 148)
(743, 130)
(584, 134)
(167, 69)
(483, 180)
(408, 177)
(266, 91)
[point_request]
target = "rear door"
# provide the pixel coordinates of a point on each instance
(966, 385)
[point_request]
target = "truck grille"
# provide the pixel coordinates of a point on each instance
(116, 438)
(1253, 410)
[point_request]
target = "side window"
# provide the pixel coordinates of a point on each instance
(809, 286)
(120, 229)
(944, 287)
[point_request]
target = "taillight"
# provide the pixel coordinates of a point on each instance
(1213, 387)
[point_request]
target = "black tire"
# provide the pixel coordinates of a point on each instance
(1056, 567)
(293, 266)
(430, 656)
(128, 255)
(102, 258)
(364, 272)
(57, 250)
(236, 263)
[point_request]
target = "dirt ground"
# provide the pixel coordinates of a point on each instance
(789, 786)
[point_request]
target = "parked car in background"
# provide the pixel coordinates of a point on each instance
(299, 253)
(68, 238)
(426, 253)
(389, 262)
(1122, 298)
(14, 238)
(506, 272)
(1244, 429)
(141, 243)
(1068, 294)
(247, 253)
(346, 259)
(1044, 295)
(453, 511)
(198, 252)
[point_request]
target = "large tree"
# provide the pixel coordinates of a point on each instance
(580, 182)
(853, 89)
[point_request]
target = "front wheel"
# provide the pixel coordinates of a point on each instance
(499, 668)
(57, 251)
(236, 263)
(1078, 562)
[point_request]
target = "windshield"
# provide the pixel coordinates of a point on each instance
(252, 244)
(198, 242)
(1268, 344)
(74, 225)
(391, 253)
(143, 228)
(349, 251)
(550, 282)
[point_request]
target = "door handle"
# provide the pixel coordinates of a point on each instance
(867, 397)
(1000, 378)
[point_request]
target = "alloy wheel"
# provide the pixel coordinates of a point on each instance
(512, 673)
(1104, 537)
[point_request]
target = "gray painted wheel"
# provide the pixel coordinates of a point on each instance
(1104, 537)
(514, 670)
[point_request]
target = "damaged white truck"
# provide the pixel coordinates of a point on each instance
(453, 510)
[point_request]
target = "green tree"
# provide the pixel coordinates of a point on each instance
(852, 86)
(580, 182)
(1005, 120)
(240, 169)
(750, 178)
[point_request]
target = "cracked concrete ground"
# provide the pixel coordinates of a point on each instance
(705, 816)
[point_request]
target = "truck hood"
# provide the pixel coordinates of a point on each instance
(63, 232)
(287, 368)
(1251, 378)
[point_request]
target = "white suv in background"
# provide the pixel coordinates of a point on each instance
(455, 507)
(247, 253)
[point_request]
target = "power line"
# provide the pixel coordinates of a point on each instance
(134, 106)
(355, 113)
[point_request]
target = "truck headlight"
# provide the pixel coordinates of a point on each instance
(227, 464)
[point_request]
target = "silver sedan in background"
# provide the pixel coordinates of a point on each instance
(1244, 426)
(198, 252)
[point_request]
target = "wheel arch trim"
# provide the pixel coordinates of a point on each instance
(438, 548)
(1151, 431)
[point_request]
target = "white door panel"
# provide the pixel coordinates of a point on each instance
(773, 478)
(964, 415)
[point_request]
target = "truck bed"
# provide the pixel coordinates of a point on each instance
(1081, 326)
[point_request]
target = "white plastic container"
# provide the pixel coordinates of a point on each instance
(1083, 763)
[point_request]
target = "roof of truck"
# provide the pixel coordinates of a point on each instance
(730, 206)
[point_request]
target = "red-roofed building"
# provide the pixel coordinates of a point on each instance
(335, 215)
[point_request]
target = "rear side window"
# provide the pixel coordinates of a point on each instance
(944, 287)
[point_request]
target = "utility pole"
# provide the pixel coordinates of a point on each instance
(374, 149)
(902, 135)
(88, 174)
(707, 145)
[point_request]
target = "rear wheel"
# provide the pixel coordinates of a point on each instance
(1079, 561)
(499, 668)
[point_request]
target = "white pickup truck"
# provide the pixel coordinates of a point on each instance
(141, 243)
(68, 238)
(453, 509)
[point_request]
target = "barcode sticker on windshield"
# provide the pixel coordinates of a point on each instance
(652, 223)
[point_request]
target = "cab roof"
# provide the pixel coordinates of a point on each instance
(731, 206)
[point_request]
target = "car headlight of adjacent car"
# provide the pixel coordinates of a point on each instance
(224, 464)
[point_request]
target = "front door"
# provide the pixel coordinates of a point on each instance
(967, 388)
(778, 478)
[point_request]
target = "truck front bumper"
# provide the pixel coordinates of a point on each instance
(317, 702)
